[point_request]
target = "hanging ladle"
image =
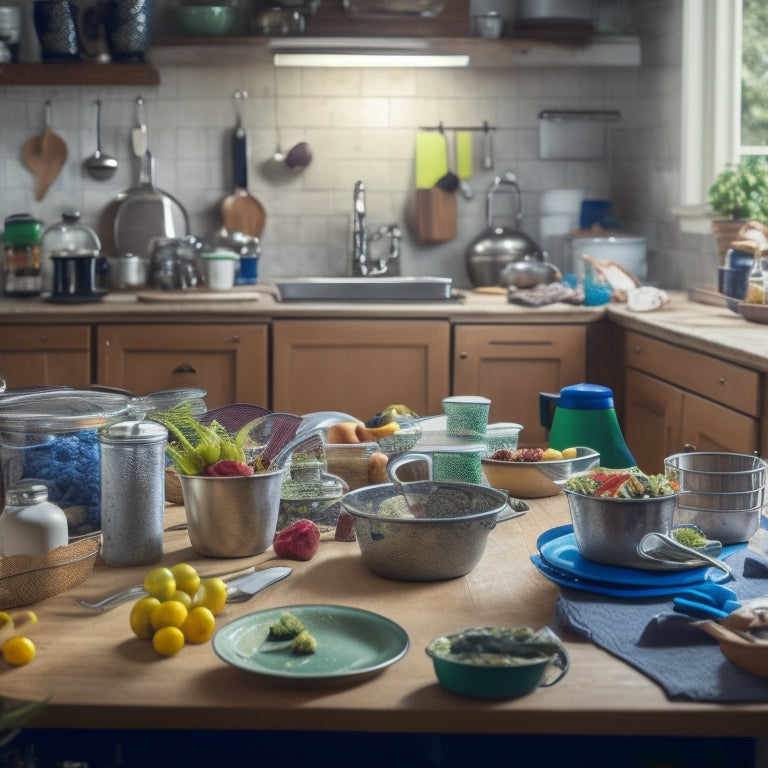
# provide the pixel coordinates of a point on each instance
(100, 166)
(667, 549)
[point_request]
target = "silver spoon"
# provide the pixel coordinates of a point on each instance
(100, 166)
(667, 549)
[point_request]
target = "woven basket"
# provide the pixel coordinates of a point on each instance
(27, 579)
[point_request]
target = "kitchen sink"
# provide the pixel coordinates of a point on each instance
(364, 288)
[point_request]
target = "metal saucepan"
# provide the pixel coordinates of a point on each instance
(497, 246)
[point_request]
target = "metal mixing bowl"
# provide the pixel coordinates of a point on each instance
(608, 529)
(723, 493)
(232, 516)
(447, 540)
(537, 479)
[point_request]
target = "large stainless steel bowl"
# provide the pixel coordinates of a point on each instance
(723, 493)
(608, 529)
(232, 516)
(445, 541)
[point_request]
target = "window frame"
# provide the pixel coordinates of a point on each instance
(711, 102)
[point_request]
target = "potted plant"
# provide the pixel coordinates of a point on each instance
(738, 194)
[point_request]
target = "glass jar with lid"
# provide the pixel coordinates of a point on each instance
(21, 255)
(68, 235)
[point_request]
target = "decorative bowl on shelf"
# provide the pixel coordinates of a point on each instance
(206, 20)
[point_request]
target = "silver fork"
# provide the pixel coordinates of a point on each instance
(243, 585)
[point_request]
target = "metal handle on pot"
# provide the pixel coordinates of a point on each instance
(498, 184)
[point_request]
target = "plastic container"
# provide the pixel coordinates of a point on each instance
(21, 256)
(585, 416)
(30, 524)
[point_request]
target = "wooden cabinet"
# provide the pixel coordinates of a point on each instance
(676, 397)
(45, 355)
(229, 361)
(360, 366)
(512, 364)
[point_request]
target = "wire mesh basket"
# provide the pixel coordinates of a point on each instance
(28, 579)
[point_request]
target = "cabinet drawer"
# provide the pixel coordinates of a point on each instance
(718, 380)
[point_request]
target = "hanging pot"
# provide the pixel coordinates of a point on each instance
(496, 247)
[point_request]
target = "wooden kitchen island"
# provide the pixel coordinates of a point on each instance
(103, 680)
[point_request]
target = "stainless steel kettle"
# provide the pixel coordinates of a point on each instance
(495, 247)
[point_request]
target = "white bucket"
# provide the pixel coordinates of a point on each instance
(628, 251)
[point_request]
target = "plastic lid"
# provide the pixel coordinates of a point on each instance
(26, 492)
(585, 397)
(22, 229)
(60, 410)
(134, 432)
(69, 235)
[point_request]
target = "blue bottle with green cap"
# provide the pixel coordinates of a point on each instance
(585, 416)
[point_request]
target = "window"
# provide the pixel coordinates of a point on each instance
(754, 78)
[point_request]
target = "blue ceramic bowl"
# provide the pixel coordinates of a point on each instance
(206, 20)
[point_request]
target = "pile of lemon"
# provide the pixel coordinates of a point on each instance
(180, 608)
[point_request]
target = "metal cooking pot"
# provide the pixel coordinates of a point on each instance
(529, 273)
(496, 247)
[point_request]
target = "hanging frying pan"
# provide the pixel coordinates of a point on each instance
(146, 212)
(241, 211)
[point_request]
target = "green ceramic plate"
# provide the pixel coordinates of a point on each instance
(351, 643)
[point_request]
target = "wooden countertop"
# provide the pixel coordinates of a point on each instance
(98, 675)
(469, 306)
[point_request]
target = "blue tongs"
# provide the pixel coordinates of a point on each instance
(707, 601)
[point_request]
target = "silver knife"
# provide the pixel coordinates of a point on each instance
(244, 588)
(267, 576)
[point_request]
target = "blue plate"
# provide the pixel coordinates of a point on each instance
(558, 549)
(566, 580)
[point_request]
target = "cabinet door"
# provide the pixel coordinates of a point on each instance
(229, 361)
(708, 426)
(45, 355)
(652, 418)
(359, 367)
(512, 364)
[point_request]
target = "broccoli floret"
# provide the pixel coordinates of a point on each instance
(304, 643)
(286, 627)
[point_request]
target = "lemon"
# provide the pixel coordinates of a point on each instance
(199, 625)
(141, 617)
(168, 641)
(551, 454)
(160, 583)
(187, 578)
(212, 595)
(171, 613)
(18, 651)
(182, 597)
(570, 453)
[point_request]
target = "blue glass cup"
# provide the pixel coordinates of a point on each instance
(56, 27)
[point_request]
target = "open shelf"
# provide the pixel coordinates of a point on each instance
(78, 73)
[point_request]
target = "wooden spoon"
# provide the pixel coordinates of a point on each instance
(44, 156)
(241, 211)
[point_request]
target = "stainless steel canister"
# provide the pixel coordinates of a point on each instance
(132, 492)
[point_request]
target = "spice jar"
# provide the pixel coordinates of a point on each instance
(30, 524)
(132, 492)
(21, 256)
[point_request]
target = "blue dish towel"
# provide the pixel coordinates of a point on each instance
(667, 646)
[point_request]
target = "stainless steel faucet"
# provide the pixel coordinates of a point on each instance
(362, 263)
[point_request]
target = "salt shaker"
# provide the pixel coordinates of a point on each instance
(132, 492)
(30, 524)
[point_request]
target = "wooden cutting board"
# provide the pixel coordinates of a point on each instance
(436, 215)
(44, 156)
(197, 294)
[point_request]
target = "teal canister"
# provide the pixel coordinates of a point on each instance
(585, 416)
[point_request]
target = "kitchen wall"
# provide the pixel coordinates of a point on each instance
(361, 124)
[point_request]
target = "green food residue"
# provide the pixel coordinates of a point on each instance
(288, 627)
(690, 537)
